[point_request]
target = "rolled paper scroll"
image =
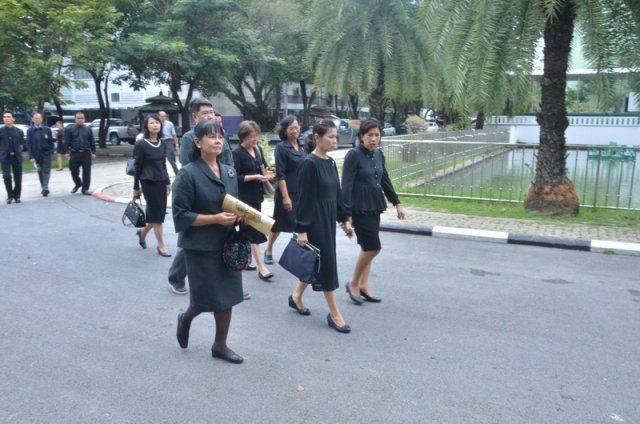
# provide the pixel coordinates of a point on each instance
(255, 218)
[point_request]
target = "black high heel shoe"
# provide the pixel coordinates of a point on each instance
(353, 298)
(373, 299)
(163, 254)
(141, 242)
(301, 311)
(182, 336)
(344, 329)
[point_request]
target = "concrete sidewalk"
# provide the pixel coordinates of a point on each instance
(110, 183)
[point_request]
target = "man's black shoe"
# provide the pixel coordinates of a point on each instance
(86, 192)
(75, 189)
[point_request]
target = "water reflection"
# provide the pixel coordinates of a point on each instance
(508, 176)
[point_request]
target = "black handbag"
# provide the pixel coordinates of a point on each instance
(303, 262)
(236, 251)
(134, 214)
(131, 167)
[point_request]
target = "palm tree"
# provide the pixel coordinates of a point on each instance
(489, 48)
(370, 47)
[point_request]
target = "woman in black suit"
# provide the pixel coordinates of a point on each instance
(198, 192)
(151, 174)
(249, 162)
(289, 155)
(365, 183)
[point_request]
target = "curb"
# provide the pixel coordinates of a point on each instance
(595, 246)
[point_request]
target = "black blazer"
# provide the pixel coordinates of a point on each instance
(150, 163)
(11, 140)
(197, 190)
(40, 142)
(364, 180)
(250, 192)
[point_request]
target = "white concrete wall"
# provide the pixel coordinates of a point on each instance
(624, 130)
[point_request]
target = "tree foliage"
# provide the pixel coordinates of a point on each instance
(368, 47)
(184, 44)
(489, 49)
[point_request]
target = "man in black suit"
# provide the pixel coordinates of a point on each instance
(41, 145)
(11, 139)
(81, 150)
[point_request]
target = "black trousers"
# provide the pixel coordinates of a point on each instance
(14, 188)
(81, 159)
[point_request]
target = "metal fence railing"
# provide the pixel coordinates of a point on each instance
(483, 165)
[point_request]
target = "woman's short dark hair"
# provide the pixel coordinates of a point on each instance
(367, 125)
(204, 128)
(322, 126)
(156, 117)
(246, 128)
(284, 124)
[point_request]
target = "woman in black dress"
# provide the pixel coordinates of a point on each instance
(319, 207)
(202, 226)
(288, 154)
(151, 174)
(60, 150)
(249, 162)
(365, 183)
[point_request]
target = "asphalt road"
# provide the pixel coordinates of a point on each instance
(468, 332)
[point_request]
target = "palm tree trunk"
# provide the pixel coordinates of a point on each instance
(552, 192)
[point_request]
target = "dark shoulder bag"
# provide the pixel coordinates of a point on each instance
(134, 214)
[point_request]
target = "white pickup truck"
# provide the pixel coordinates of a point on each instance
(118, 131)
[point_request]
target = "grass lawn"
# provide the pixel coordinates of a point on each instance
(589, 216)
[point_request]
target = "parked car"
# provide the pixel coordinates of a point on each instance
(388, 130)
(347, 135)
(433, 126)
(118, 131)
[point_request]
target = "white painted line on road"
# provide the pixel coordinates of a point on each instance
(466, 233)
(616, 247)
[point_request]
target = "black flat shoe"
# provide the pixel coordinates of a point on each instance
(183, 339)
(344, 329)
(373, 299)
(251, 267)
(234, 359)
(265, 277)
(141, 242)
(354, 299)
(301, 311)
(163, 254)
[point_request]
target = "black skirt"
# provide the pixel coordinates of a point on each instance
(60, 148)
(155, 194)
(285, 220)
(212, 286)
(367, 228)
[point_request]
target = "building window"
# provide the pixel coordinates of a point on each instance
(296, 91)
(115, 97)
(81, 74)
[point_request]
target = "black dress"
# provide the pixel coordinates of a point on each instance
(320, 205)
(288, 160)
(151, 173)
(250, 192)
